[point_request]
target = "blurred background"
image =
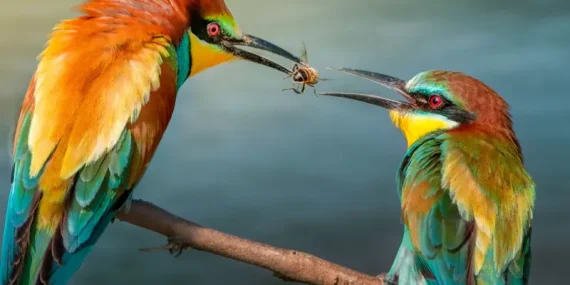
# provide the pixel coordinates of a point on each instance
(315, 173)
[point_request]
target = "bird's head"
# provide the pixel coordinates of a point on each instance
(214, 38)
(437, 101)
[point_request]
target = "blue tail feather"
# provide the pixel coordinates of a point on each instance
(33, 255)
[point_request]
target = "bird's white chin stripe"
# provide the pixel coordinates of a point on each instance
(416, 125)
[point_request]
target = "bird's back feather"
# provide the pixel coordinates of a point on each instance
(97, 107)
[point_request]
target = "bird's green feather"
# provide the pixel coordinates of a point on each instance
(445, 233)
(94, 197)
(97, 192)
(22, 201)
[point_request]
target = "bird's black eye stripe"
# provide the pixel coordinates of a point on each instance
(456, 114)
(447, 108)
(199, 27)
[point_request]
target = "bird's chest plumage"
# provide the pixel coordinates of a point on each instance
(466, 210)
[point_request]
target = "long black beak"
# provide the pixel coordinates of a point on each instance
(261, 44)
(393, 83)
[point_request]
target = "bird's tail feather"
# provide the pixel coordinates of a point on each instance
(40, 257)
(60, 273)
(47, 262)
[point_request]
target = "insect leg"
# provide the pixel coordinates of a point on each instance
(294, 90)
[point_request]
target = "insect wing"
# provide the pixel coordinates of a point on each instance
(304, 56)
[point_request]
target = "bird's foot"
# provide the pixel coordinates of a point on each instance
(387, 279)
(175, 246)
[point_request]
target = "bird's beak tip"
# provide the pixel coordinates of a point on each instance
(341, 69)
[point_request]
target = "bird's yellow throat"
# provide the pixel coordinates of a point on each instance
(416, 125)
(205, 55)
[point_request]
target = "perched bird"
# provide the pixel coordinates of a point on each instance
(466, 199)
(95, 111)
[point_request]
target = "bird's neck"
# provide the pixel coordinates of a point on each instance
(184, 61)
(496, 136)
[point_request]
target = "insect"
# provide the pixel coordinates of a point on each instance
(304, 75)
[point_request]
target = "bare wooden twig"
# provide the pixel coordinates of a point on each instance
(287, 264)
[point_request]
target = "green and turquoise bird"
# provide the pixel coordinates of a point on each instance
(466, 199)
(96, 109)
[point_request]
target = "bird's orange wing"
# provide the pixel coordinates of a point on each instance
(88, 86)
(486, 177)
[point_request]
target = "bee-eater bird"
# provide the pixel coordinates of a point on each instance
(94, 113)
(466, 198)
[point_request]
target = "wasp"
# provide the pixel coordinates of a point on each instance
(304, 75)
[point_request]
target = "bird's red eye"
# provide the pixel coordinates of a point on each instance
(213, 29)
(435, 101)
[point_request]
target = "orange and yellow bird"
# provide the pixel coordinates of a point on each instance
(94, 113)
(466, 199)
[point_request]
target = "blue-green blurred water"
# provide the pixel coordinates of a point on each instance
(313, 173)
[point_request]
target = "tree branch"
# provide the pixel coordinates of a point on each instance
(287, 264)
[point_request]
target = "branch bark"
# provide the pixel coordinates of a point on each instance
(286, 264)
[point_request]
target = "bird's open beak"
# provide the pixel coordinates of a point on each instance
(257, 43)
(393, 83)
